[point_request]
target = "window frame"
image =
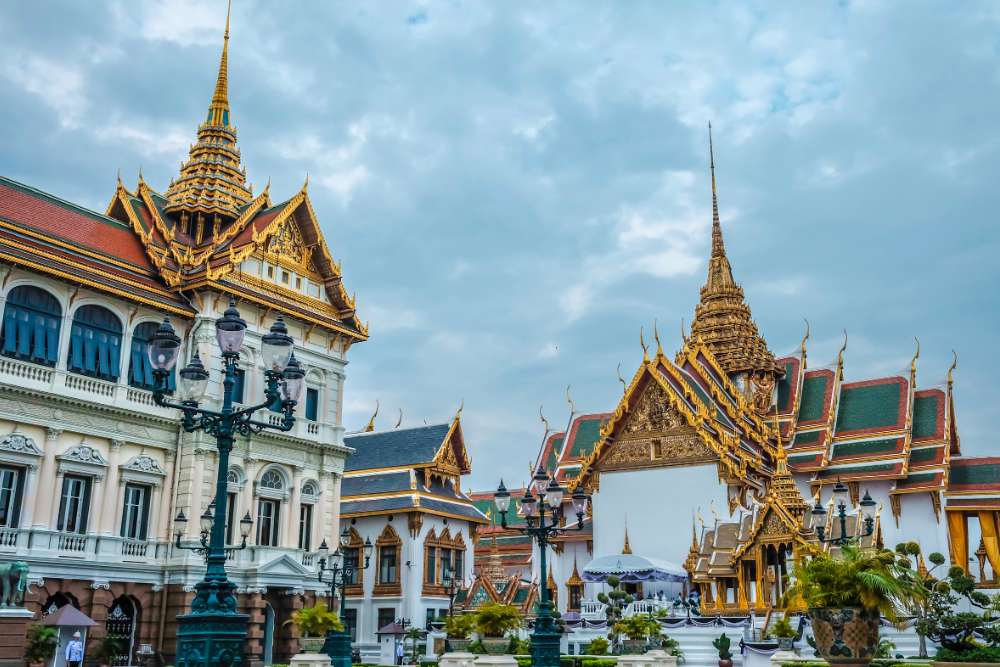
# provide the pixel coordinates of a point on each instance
(140, 513)
(10, 516)
(274, 520)
(82, 513)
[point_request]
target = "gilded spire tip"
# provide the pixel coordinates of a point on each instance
(371, 422)
(621, 379)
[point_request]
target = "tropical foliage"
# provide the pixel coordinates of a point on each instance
(639, 626)
(460, 626)
(316, 621)
(598, 646)
(783, 629)
(495, 620)
(41, 645)
(868, 578)
(722, 645)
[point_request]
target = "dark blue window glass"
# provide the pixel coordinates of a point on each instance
(140, 371)
(312, 404)
(238, 386)
(95, 343)
(31, 322)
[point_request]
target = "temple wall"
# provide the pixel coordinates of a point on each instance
(658, 505)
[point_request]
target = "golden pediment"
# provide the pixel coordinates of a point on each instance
(652, 413)
(287, 247)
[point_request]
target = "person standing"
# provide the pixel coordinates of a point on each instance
(399, 653)
(74, 651)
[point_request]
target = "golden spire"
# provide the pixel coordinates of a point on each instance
(722, 318)
(627, 548)
(371, 422)
(211, 189)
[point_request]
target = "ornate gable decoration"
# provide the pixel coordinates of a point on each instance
(652, 413)
(144, 464)
(18, 443)
(287, 243)
(84, 454)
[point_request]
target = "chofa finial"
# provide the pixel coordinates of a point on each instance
(621, 379)
(840, 354)
(371, 422)
(954, 365)
(656, 337)
(642, 343)
(569, 400)
(916, 355)
(400, 420)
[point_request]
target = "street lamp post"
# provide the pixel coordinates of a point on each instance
(541, 528)
(819, 514)
(340, 575)
(451, 582)
(214, 633)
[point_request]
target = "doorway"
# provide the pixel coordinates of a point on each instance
(268, 634)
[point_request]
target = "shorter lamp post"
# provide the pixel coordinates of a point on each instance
(336, 571)
(840, 492)
(541, 528)
(206, 521)
(451, 583)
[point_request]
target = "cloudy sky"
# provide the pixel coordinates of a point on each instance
(515, 188)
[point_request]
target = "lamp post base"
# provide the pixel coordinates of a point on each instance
(338, 647)
(211, 640)
(545, 644)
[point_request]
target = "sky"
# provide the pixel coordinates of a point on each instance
(515, 188)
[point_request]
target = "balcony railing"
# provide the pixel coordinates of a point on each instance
(8, 538)
(592, 610)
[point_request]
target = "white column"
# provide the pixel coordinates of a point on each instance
(155, 515)
(195, 510)
(57, 497)
(246, 503)
(165, 507)
(30, 496)
(98, 501)
(47, 480)
(111, 512)
(294, 503)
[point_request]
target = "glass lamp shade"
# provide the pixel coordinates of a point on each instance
(206, 520)
(369, 548)
(579, 501)
(180, 523)
(323, 550)
(818, 509)
(194, 380)
(553, 494)
(337, 558)
(295, 380)
(502, 498)
(867, 500)
(345, 538)
(276, 346)
(246, 523)
(528, 503)
(164, 347)
(230, 330)
(540, 481)
(840, 490)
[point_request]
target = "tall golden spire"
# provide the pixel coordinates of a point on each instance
(722, 318)
(212, 186)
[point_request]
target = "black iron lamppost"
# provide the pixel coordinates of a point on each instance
(541, 528)
(340, 574)
(206, 520)
(214, 633)
(451, 583)
(840, 492)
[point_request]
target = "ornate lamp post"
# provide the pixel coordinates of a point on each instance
(541, 528)
(214, 633)
(340, 575)
(451, 583)
(840, 492)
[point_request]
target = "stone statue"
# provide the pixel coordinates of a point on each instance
(13, 583)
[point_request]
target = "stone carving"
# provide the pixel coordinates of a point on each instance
(763, 392)
(773, 526)
(287, 242)
(13, 583)
(652, 413)
(144, 463)
(20, 444)
(84, 454)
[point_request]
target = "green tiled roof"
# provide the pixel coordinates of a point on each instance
(807, 437)
(865, 447)
(869, 406)
(918, 478)
(587, 434)
(785, 388)
(981, 473)
(460, 595)
(813, 393)
(803, 459)
(925, 412)
(923, 455)
(878, 467)
(553, 458)
(520, 596)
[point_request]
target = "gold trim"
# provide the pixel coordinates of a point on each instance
(67, 246)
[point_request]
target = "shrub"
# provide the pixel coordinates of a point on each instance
(316, 621)
(495, 620)
(42, 644)
(783, 629)
(523, 661)
(974, 654)
(477, 648)
(596, 662)
(459, 626)
(108, 649)
(639, 626)
(722, 646)
(597, 646)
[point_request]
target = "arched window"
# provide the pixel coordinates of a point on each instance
(309, 489)
(31, 321)
(95, 343)
(272, 480)
(140, 371)
(233, 476)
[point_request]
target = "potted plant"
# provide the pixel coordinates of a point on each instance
(41, 645)
(314, 623)
(637, 629)
(493, 621)
(847, 594)
(785, 634)
(598, 646)
(459, 627)
(722, 645)
(108, 649)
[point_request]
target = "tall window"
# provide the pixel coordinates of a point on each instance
(352, 561)
(238, 386)
(305, 526)
(267, 522)
(74, 504)
(575, 596)
(11, 491)
(431, 569)
(312, 404)
(95, 343)
(135, 515)
(351, 618)
(386, 616)
(230, 514)
(387, 573)
(30, 328)
(140, 371)
(458, 566)
(445, 565)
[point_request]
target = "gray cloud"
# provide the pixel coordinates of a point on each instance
(514, 189)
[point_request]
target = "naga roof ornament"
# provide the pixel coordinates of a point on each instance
(212, 181)
(722, 318)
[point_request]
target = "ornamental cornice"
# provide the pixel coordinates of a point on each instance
(18, 443)
(83, 453)
(144, 464)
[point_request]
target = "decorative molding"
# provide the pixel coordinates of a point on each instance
(156, 588)
(144, 464)
(18, 443)
(295, 591)
(84, 454)
(52, 434)
(100, 585)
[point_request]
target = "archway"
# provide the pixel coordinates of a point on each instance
(121, 626)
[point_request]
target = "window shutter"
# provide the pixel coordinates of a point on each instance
(144, 519)
(9, 330)
(23, 334)
(85, 507)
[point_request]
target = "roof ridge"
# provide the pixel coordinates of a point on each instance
(360, 434)
(62, 202)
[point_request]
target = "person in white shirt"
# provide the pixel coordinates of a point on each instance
(74, 651)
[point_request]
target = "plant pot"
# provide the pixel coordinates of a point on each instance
(845, 636)
(459, 645)
(311, 644)
(495, 645)
(633, 646)
(725, 663)
(786, 643)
